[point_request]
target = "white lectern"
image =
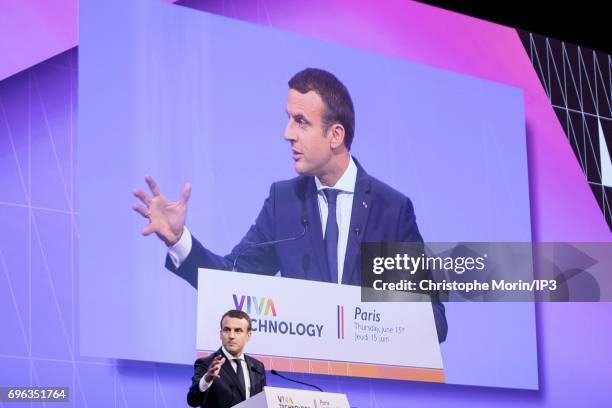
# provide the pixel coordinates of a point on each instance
(322, 328)
(273, 397)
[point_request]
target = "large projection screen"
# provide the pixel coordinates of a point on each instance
(202, 100)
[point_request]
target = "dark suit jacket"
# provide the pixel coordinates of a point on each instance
(379, 214)
(225, 391)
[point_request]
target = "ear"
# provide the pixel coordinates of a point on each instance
(249, 335)
(336, 135)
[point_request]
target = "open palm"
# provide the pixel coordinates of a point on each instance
(166, 218)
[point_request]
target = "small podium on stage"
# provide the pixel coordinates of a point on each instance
(273, 397)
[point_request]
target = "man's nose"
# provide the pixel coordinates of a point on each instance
(289, 133)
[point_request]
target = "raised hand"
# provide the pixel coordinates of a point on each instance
(166, 218)
(213, 370)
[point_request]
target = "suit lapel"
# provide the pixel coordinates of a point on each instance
(315, 230)
(249, 365)
(362, 203)
(252, 376)
(229, 372)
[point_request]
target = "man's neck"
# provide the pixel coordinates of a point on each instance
(337, 168)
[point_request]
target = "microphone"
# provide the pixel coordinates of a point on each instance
(266, 243)
(274, 372)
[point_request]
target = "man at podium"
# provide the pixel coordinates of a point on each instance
(228, 376)
(321, 217)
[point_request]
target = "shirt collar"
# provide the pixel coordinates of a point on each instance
(229, 356)
(347, 181)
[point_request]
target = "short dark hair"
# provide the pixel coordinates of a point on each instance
(337, 100)
(237, 314)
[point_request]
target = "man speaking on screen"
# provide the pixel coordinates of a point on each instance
(321, 217)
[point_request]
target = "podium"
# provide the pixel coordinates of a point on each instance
(274, 397)
(312, 327)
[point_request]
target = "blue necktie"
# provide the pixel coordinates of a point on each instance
(331, 233)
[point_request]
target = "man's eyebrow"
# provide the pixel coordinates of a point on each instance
(296, 115)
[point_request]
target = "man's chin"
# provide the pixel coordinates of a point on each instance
(302, 170)
(232, 350)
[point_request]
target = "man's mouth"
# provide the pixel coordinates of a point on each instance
(296, 155)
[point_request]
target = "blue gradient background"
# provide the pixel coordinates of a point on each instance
(39, 285)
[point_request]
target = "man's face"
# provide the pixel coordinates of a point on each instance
(311, 149)
(234, 334)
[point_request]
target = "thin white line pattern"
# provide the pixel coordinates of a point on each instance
(578, 83)
(39, 291)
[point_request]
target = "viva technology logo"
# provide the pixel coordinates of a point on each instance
(261, 308)
(288, 402)
(255, 305)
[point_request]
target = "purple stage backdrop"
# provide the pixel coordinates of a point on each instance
(32, 31)
(39, 282)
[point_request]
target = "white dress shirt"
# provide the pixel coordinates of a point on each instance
(204, 385)
(344, 206)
